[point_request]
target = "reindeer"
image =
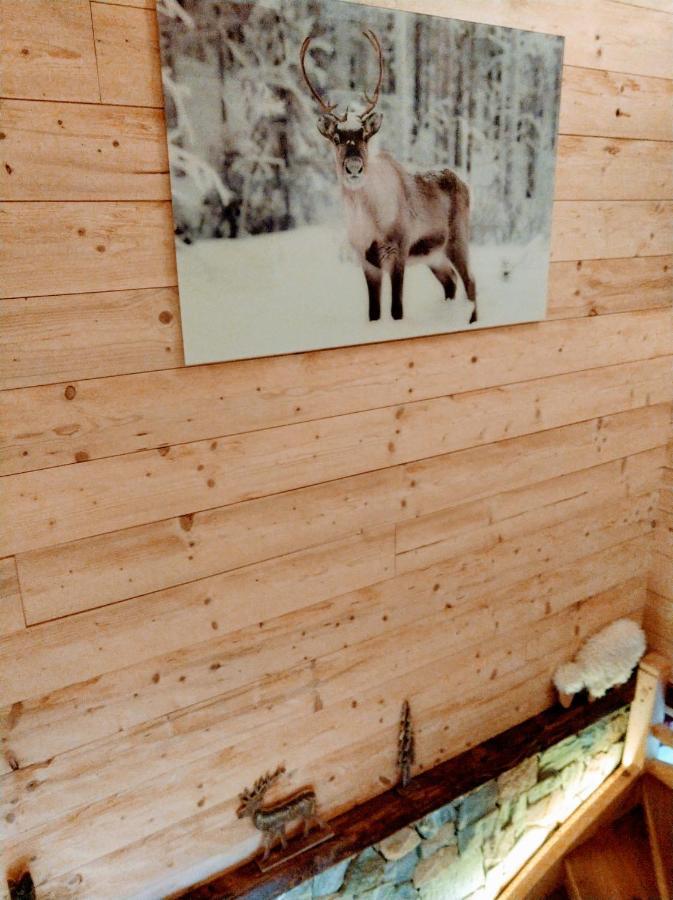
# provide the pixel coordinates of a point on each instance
(271, 820)
(394, 217)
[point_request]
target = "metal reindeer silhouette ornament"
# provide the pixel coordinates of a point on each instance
(406, 751)
(271, 820)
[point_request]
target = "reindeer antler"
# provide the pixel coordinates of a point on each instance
(372, 101)
(261, 786)
(326, 107)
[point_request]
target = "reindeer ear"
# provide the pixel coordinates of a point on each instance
(371, 124)
(327, 126)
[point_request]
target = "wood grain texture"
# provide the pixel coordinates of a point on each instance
(97, 418)
(127, 52)
(229, 566)
(85, 247)
(304, 691)
(612, 104)
(606, 229)
(592, 168)
(112, 567)
(54, 339)
(66, 151)
(595, 287)
(69, 502)
(47, 50)
(11, 610)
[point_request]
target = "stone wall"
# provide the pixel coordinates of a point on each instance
(474, 845)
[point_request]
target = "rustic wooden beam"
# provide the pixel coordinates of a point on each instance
(370, 822)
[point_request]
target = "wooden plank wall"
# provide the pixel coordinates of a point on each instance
(207, 571)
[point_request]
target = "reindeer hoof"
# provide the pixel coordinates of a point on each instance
(473, 317)
(396, 313)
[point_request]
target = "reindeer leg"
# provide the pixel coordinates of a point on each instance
(373, 276)
(267, 846)
(445, 276)
(397, 282)
(283, 837)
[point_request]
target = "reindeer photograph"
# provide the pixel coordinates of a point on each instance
(343, 174)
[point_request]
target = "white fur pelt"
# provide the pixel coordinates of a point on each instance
(605, 660)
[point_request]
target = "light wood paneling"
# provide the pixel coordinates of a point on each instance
(602, 230)
(85, 247)
(594, 168)
(612, 104)
(97, 418)
(185, 739)
(230, 565)
(53, 339)
(11, 612)
(69, 502)
(127, 50)
(596, 287)
(59, 151)
(108, 568)
(66, 151)
(52, 724)
(47, 50)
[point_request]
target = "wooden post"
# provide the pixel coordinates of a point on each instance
(647, 709)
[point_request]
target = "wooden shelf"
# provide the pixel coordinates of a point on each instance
(381, 816)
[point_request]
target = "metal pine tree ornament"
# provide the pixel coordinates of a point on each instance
(406, 752)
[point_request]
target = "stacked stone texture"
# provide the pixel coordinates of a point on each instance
(470, 848)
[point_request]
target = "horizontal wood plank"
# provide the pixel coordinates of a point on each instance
(127, 52)
(89, 643)
(85, 247)
(615, 105)
(52, 339)
(223, 603)
(514, 510)
(217, 674)
(47, 50)
(602, 229)
(66, 151)
(591, 168)
(52, 506)
(178, 856)
(151, 4)
(11, 610)
(600, 35)
(334, 510)
(596, 287)
(107, 417)
(113, 567)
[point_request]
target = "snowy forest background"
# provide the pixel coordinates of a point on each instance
(247, 160)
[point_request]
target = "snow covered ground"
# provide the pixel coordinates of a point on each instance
(299, 290)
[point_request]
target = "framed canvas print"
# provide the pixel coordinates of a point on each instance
(343, 174)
